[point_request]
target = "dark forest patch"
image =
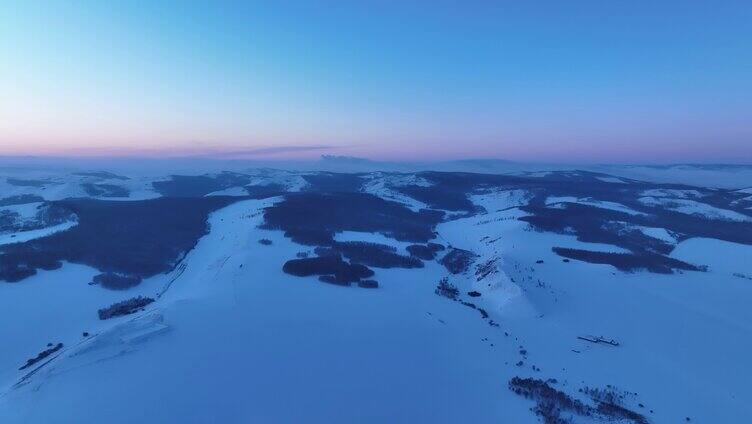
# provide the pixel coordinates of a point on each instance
(458, 261)
(41, 355)
(21, 200)
(438, 198)
(14, 274)
(310, 236)
(19, 182)
(47, 214)
(333, 182)
(126, 307)
(447, 289)
(628, 261)
(103, 175)
(331, 268)
(114, 281)
(266, 190)
(425, 252)
(139, 238)
(336, 280)
(199, 185)
(105, 190)
(8, 221)
(436, 247)
(557, 407)
(313, 218)
(375, 255)
(597, 225)
(368, 284)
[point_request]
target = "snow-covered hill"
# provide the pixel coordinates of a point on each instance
(524, 326)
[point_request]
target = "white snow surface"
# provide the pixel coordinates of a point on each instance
(26, 212)
(666, 192)
(380, 184)
(552, 200)
(231, 191)
(499, 200)
(345, 236)
(22, 236)
(611, 180)
(245, 343)
(234, 340)
(561, 201)
(720, 255)
(657, 233)
(691, 207)
(27, 215)
(64, 185)
(697, 175)
(292, 181)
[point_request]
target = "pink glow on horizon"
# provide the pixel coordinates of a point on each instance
(578, 151)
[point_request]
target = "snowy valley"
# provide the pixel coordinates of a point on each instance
(282, 296)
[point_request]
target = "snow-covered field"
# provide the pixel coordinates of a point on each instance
(233, 339)
(251, 344)
(692, 207)
(57, 186)
(562, 202)
(673, 329)
(22, 236)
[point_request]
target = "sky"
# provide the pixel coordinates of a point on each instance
(548, 81)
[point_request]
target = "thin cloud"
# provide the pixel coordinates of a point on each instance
(274, 150)
(199, 150)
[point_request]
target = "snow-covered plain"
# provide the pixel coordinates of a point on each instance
(22, 236)
(658, 233)
(231, 338)
(252, 344)
(692, 207)
(28, 225)
(561, 201)
(64, 185)
(382, 185)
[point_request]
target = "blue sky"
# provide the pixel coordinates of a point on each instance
(579, 81)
